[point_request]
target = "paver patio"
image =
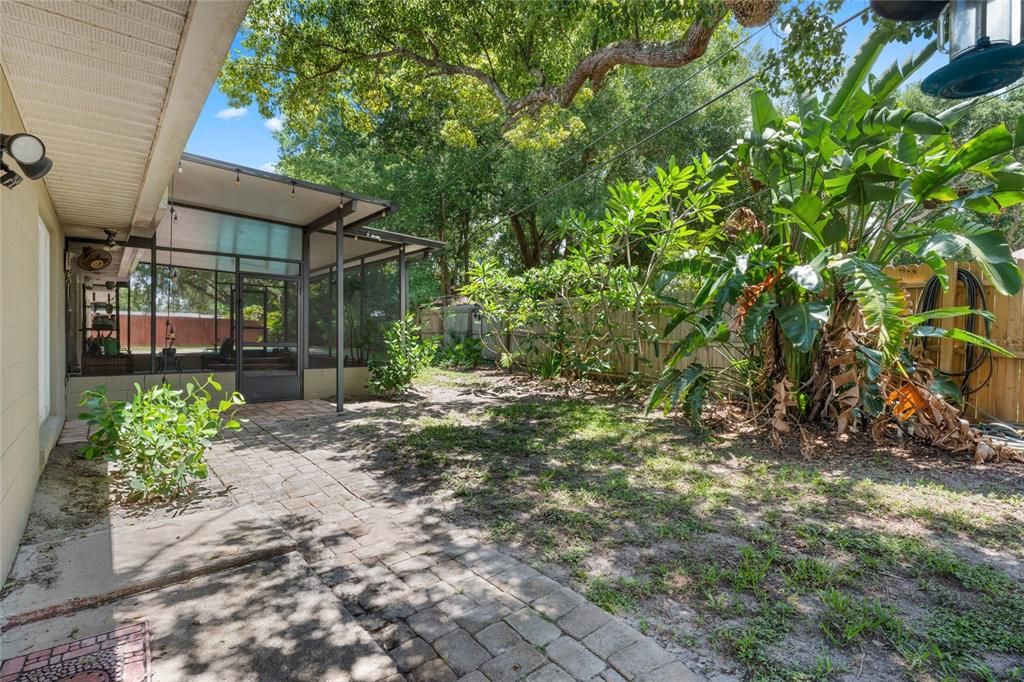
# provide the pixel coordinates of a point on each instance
(440, 602)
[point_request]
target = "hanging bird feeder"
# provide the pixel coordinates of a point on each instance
(983, 40)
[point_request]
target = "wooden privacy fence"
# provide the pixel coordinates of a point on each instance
(1000, 398)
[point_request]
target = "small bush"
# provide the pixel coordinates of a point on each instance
(407, 354)
(466, 354)
(160, 437)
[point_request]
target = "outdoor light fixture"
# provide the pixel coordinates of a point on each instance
(30, 154)
(293, 189)
(180, 169)
(238, 178)
(983, 40)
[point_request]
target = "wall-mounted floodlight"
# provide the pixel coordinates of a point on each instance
(983, 40)
(30, 154)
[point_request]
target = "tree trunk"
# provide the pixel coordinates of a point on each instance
(533, 246)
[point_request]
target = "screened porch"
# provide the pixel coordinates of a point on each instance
(239, 280)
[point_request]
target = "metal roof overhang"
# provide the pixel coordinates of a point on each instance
(225, 210)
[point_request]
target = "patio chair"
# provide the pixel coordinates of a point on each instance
(221, 358)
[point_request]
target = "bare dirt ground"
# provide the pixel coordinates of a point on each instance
(863, 562)
(76, 496)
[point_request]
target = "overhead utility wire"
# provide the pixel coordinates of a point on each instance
(670, 90)
(590, 171)
(676, 122)
(970, 105)
(625, 119)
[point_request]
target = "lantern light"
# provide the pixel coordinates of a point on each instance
(983, 40)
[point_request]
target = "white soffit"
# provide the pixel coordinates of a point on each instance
(114, 90)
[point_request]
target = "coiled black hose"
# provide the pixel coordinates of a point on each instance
(975, 357)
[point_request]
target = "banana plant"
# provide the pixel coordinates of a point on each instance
(850, 184)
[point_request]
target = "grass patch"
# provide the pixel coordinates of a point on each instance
(750, 642)
(754, 548)
(847, 618)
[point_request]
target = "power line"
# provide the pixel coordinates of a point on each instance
(664, 94)
(746, 199)
(668, 91)
(692, 112)
(677, 121)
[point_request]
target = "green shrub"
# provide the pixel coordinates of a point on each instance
(407, 354)
(468, 353)
(160, 437)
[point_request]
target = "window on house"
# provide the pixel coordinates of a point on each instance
(43, 290)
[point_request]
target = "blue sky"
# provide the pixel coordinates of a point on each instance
(242, 136)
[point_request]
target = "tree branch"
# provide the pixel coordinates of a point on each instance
(595, 66)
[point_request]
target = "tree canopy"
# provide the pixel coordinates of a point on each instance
(486, 62)
(473, 196)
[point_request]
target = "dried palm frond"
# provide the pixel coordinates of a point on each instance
(782, 396)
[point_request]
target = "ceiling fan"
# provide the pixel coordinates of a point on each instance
(94, 259)
(111, 244)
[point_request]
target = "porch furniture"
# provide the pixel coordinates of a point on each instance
(219, 359)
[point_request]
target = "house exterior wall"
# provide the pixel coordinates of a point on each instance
(122, 386)
(25, 439)
(320, 383)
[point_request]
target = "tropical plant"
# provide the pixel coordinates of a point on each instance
(406, 354)
(159, 438)
(797, 281)
(577, 315)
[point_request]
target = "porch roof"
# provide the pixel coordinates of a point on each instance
(225, 210)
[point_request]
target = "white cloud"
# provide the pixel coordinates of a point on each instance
(274, 124)
(232, 112)
(269, 167)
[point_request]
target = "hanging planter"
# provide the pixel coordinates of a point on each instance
(908, 10)
(752, 12)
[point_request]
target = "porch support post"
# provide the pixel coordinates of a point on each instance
(403, 283)
(152, 304)
(340, 266)
(304, 315)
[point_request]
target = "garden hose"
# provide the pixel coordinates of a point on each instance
(975, 357)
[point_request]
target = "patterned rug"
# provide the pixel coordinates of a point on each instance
(118, 656)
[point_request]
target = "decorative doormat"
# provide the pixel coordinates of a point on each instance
(118, 656)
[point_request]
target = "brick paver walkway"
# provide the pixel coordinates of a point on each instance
(440, 602)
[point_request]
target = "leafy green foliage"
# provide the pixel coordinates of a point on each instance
(481, 62)
(159, 438)
(567, 318)
(406, 354)
(466, 354)
(847, 619)
(844, 188)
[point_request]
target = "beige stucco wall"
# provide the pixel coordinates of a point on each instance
(320, 383)
(25, 443)
(122, 387)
